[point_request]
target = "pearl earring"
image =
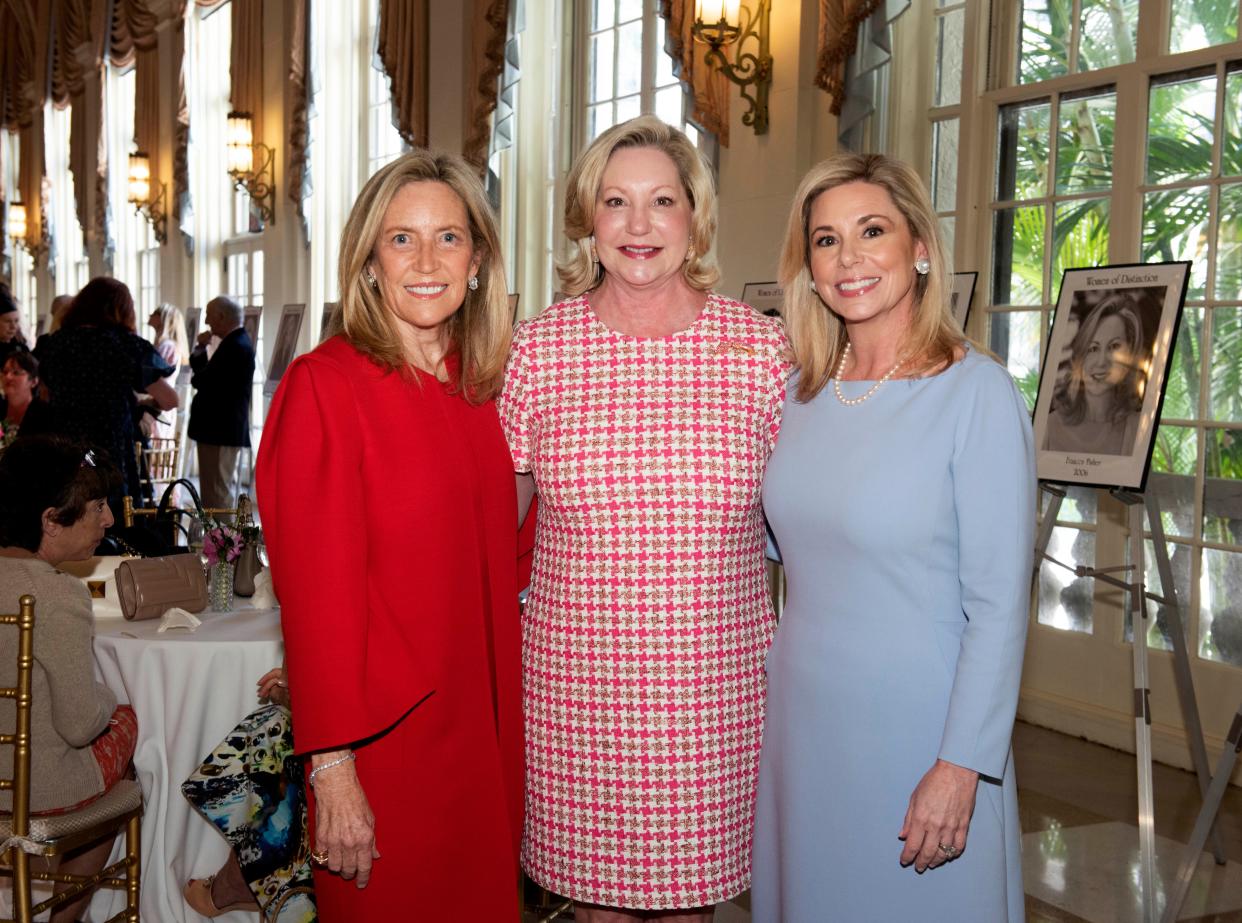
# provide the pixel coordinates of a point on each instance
(473, 283)
(813, 288)
(922, 266)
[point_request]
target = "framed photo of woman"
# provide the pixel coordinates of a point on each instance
(961, 295)
(286, 344)
(1105, 371)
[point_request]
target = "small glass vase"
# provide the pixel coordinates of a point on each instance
(220, 587)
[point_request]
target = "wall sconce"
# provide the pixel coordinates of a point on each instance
(718, 23)
(17, 222)
(140, 195)
(259, 183)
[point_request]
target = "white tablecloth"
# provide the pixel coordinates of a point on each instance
(188, 691)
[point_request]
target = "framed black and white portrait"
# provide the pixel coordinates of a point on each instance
(193, 318)
(252, 318)
(961, 295)
(286, 345)
(764, 297)
(1104, 374)
(328, 321)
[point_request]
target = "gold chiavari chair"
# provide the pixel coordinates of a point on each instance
(23, 837)
(159, 461)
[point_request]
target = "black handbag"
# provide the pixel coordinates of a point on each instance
(160, 535)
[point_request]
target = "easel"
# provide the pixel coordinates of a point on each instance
(1138, 596)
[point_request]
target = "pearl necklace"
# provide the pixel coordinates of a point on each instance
(836, 380)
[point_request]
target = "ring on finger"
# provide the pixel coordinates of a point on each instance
(319, 858)
(948, 849)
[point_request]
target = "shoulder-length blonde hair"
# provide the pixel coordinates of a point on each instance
(817, 335)
(579, 272)
(480, 329)
(172, 327)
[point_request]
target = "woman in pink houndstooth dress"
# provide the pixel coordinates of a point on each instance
(645, 406)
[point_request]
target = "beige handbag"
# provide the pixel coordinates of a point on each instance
(149, 587)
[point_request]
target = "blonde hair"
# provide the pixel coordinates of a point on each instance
(816, 335)
(579, 272)
(172, 327)
(480, 329)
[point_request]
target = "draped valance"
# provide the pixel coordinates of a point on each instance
(839, 21)
(487, 59)
(403, 50)
(706, 88)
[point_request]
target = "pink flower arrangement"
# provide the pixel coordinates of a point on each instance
(221, 544)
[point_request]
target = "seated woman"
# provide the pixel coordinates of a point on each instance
(251, 788)
(53, 508)
(24, 410)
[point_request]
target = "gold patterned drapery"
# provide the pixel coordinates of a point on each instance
(707, 87)
(403, 50)
(246, 62)
(839, 21)
(299, 117)
(20, 73)
(487, 59)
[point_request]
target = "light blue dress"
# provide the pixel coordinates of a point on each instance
(906, 526)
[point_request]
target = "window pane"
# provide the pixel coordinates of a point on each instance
(1225, 397)
(1181, 394)
(1065, 601)
(944, 171)
(601, 66)
(1080, 504)
(1196, 24)
(1159, 624)
(602, 14)
(599, 119)
(1229, 244)
(1220, 606)
(1014, 337)
(949, 58)
(1222, 487)
(1175, 228)
(1023, 160)
(1079, 236)
(1044, 40)
(628, 108)
(668, 104)
(1109, 31)
(1018, 273)
(1181, 128)
(1231, 148)
(1173, 476)
(664, 60)
(630, 53)
(1085, 143)
(629, 9)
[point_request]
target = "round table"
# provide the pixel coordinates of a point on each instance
(188, 689)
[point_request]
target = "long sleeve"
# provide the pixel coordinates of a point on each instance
(993, 473)
(311, 499)
(81, 706)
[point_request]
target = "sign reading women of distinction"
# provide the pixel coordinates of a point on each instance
(764, 297)
(1104, 374)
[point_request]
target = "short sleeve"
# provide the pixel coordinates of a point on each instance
(515, 403)
(776, 378)
(993, 470)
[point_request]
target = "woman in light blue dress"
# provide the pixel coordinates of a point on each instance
(901, 495)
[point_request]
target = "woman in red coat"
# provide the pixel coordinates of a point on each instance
(388, 504)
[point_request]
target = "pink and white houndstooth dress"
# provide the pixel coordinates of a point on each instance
(648, 618)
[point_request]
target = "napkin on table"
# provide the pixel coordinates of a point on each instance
(264, 596)
(179, 618)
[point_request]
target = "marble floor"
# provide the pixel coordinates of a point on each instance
(1080, 838)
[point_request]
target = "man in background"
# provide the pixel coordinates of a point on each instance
(220, 411)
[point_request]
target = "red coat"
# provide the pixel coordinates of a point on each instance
(388, 508)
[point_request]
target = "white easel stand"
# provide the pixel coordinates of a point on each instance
(1138, 597)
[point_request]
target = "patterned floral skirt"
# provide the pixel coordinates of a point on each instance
(251, 787)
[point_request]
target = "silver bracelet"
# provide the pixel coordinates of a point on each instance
(310, 780)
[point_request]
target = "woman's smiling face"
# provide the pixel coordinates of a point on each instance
(1108, 358)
